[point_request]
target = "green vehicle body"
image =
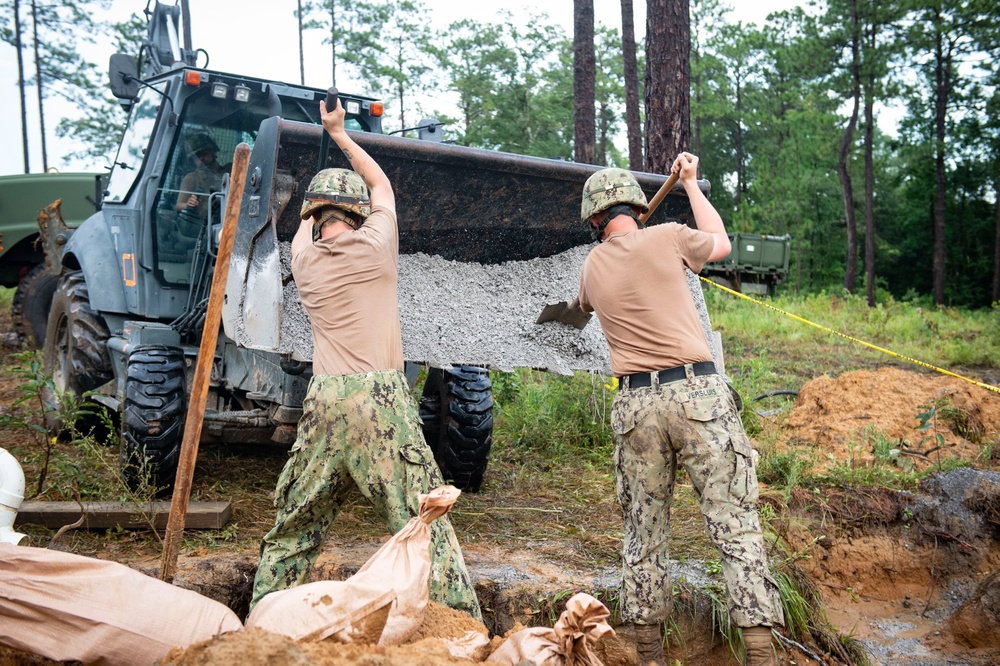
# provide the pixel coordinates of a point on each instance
(22, 196)
(756, 264)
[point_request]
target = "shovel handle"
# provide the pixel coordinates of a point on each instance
(660, 195)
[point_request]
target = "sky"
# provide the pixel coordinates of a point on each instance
(260, 38)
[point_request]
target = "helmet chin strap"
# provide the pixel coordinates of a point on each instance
(597, 233)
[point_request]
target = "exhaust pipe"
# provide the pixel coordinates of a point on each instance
(11, 496)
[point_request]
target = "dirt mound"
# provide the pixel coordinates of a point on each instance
(831, 415)
(255, 647)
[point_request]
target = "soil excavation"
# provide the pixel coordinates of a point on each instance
(910, 574)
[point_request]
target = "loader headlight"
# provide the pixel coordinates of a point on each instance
(353, 107)
(220, 90)
(241, 93)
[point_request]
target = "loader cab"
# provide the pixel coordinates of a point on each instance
(156, 168)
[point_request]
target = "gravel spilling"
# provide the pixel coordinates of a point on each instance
(456, 313)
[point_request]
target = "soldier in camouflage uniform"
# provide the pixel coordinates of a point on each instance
(672, 407)
(360, 426)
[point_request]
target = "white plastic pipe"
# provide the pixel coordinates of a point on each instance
(11, 496)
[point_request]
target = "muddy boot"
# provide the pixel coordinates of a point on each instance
(758, 644)
(649, 643)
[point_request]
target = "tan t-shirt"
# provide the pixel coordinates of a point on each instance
(347, 285)
(636, 284)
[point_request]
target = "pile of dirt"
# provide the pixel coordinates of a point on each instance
(831, 415)
(254, 647)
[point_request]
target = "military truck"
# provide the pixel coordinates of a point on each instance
(757, 264)
(21, 256)
(127, 316)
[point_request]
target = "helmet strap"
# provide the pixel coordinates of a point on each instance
(597, 233)
(329, 215)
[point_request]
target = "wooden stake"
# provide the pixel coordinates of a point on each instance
(203, 369)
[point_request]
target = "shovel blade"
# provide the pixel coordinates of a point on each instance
(564, 314)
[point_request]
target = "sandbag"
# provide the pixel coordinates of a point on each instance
(68, 607)
(332, 609)
(569, 643)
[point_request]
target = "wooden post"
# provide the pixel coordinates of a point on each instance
(203, 369)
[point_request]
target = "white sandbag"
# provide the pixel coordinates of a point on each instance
(569, 643)
(68, 607)
(343, 611)
(400, 568)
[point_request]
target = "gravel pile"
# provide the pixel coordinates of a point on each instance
(455, 313)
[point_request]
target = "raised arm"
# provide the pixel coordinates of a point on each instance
(705, 215)
(378, 183)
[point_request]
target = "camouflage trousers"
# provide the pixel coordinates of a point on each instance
(692, 421)
(358, 430)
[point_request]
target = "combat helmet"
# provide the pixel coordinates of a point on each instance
(200, 142)
(339, 188)
(610, 187)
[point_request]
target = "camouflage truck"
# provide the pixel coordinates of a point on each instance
(22, 196)
(757, 264)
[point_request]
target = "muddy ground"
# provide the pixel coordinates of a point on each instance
(910, 574)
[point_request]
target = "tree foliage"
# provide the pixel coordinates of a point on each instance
(770, 115)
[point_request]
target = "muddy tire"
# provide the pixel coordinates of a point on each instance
(457, 411)
(76, 351)
(153, 417)
(30, 307)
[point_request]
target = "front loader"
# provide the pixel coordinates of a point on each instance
(128, 311)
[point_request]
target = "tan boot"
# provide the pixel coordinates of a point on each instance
(758, 643)
(649, 643)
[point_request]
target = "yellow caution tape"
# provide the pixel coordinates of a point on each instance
(988, 387)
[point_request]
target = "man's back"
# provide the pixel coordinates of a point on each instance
(347, 285)
(636, 283)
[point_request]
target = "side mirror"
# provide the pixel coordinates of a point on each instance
(124, 74)
(429, 129)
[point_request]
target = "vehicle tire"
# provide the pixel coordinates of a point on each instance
(76, 354)
(30, 307)
(153, 417)
(457, 410)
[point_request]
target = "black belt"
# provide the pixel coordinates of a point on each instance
(641, 379)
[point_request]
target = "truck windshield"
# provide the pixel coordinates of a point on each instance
(188, 202)
(132, 150)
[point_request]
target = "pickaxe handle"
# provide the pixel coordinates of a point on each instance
(660, 195)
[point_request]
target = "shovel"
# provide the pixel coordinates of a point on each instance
(570, 313)
(565, 313)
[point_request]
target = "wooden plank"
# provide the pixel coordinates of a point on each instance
(104, 515)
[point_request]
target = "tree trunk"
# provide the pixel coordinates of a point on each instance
(740, 184)
(870, 172)
(843, 169)
(632, 123)
(996, 249)
(942, 84)
(38, 82)
(302, 53)
(869, 197)
(20, 83)
(668, 82)
(584, 122)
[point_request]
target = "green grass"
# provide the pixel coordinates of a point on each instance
(949, 338)
(550, 487)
